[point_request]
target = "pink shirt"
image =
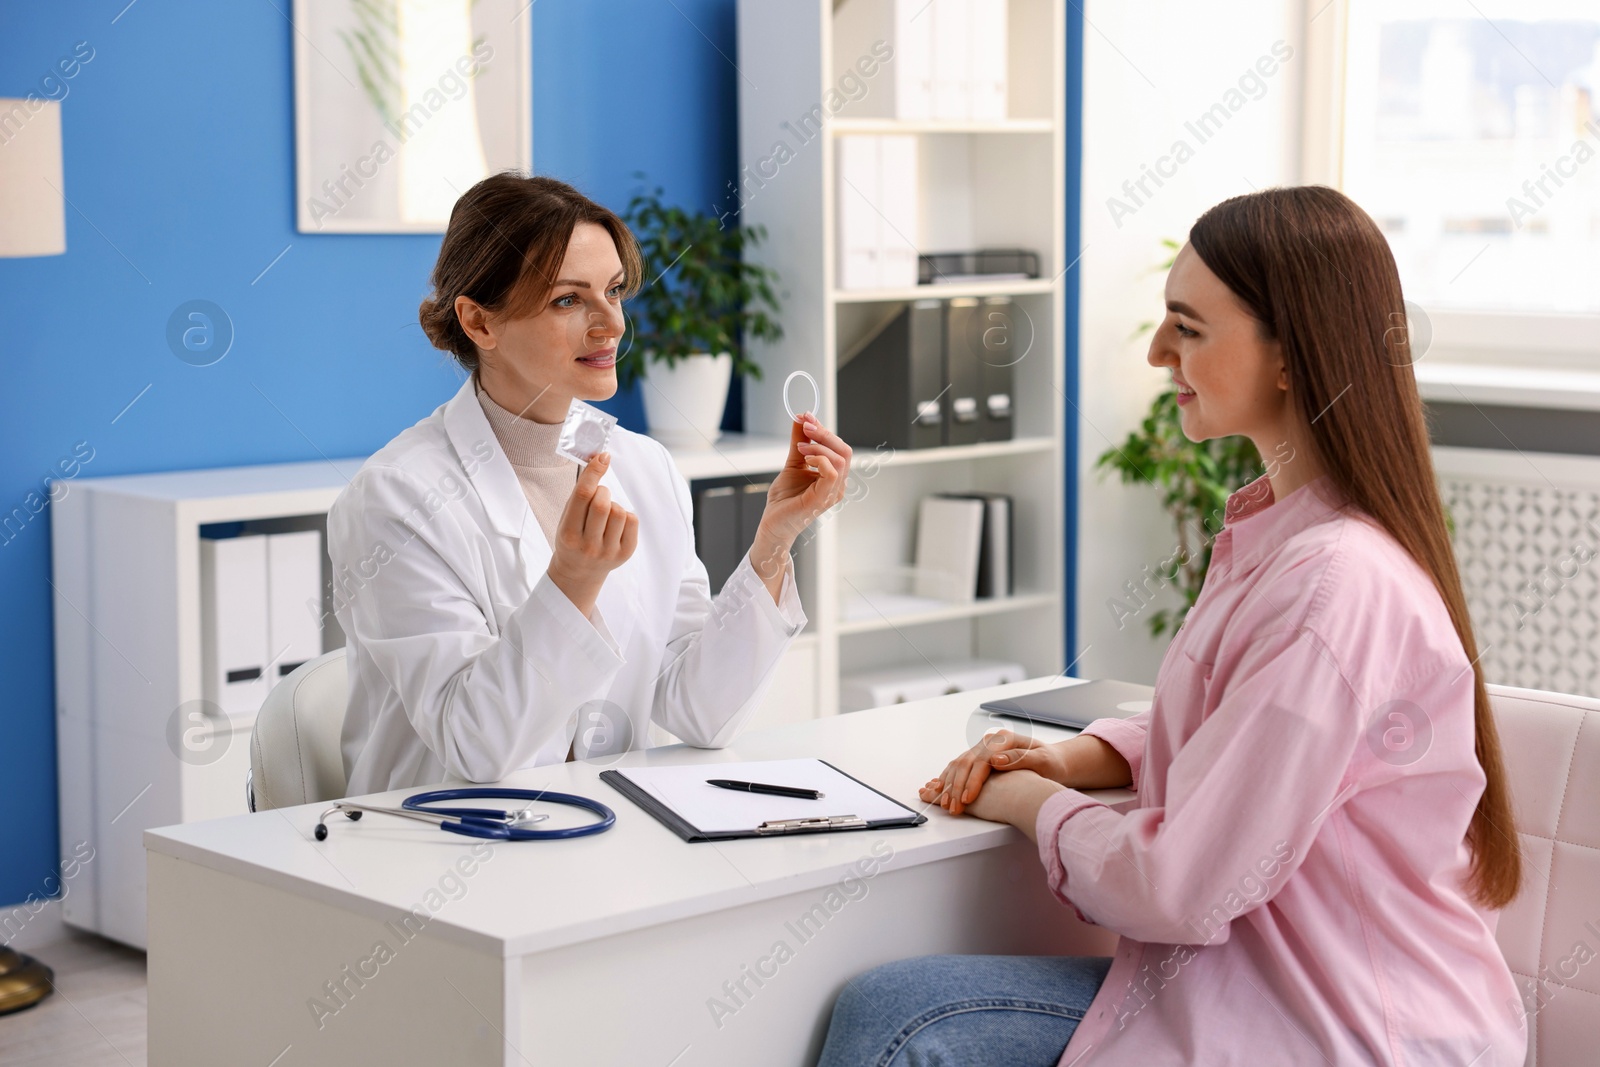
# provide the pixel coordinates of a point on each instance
(1288, 889)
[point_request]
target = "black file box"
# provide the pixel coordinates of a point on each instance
(716, 531)
(890, 387)
(1016, 262)
(999, 347)
(727, 513)
(963, 371)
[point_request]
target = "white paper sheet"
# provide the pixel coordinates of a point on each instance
(710, 809)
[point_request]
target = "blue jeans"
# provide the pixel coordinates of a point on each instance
(954, 1011)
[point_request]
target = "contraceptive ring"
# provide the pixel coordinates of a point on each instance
(816, 394)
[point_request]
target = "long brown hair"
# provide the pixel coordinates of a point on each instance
(1316, 272)
(503, 247)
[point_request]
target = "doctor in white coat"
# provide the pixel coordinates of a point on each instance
(476, 645)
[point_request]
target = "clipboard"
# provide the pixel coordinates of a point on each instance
(680, 800)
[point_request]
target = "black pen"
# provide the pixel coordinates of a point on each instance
(757, 787)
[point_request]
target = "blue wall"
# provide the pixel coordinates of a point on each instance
(179, 154)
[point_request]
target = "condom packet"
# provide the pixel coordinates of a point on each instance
(585, 432)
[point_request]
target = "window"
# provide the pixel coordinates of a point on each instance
(1471, 132)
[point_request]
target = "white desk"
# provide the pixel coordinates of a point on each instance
(613, 949)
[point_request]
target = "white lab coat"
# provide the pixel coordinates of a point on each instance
(465, 659)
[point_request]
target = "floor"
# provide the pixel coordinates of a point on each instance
(95, 1017)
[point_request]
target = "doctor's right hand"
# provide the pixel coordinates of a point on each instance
(593, 537)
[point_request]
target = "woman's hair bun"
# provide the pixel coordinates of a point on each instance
(443, 329)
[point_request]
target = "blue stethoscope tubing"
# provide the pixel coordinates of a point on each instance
(488, 823)
(499, 822)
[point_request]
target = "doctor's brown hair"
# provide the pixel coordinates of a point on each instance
(503, 248)
(1317, 274)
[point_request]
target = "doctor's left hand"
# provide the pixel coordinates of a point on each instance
(812, 481)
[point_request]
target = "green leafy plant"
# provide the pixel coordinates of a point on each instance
(1195, 479)
(699, 293)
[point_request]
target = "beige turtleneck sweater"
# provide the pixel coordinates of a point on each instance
(546, 478)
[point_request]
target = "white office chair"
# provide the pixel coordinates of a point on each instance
(294, 748)
(1552, 755)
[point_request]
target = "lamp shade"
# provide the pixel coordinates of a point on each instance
(33, 212)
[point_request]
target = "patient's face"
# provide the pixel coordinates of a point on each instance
(568, 347)
(1214, 347)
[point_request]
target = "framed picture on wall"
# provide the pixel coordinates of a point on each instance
(401, 105)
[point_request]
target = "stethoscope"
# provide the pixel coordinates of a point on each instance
(488, 823)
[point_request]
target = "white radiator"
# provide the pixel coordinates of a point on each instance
(1527, 539)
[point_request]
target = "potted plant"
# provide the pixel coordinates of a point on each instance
(1196, 479)
(699, 305)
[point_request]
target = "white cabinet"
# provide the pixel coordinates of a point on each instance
(137, 743)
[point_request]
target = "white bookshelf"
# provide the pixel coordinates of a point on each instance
(996, 606)
(945, 291)
(993, 183)
(126, 578)
(842, 126)
(730, 455)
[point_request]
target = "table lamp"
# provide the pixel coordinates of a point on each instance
(33, 222)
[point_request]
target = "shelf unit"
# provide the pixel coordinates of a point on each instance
(842, 126)
(125, 552)
(730, 455)
(1020, 287)
(993, 183)
(126, 580)
(993, 606)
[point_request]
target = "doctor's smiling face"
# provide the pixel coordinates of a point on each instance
(567, 345)
(1229, 375)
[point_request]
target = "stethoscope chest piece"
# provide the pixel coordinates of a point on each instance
(491, 824)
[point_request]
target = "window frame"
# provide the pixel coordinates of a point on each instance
(1560, 342)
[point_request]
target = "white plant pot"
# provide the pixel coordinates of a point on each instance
(683, 403)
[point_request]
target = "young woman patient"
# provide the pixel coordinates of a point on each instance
(1323, 834)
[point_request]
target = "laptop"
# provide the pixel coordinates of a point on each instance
(1076, 706)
